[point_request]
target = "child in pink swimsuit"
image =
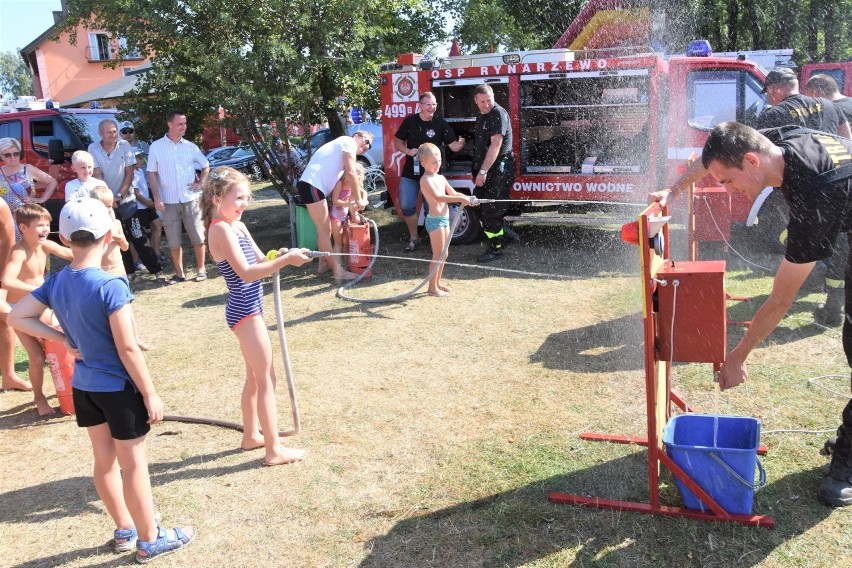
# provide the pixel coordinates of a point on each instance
(343, 207)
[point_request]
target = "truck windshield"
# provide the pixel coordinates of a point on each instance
(85, 125)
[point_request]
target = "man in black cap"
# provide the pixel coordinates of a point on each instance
(789, 107)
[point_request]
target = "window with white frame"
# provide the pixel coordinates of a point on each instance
(99, 49)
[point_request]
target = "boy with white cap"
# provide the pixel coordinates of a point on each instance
(114, 395)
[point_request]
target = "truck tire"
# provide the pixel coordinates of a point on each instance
(468, 228)
(255, 172)
(772, 221)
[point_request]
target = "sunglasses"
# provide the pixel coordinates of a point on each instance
(366, 141)
(12, 155)
(127, 131)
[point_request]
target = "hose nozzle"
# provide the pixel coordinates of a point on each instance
(273, 254)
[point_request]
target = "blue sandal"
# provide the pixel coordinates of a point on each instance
(168, 541)
(124, 540)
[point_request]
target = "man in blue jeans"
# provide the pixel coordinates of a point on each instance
(417, 129)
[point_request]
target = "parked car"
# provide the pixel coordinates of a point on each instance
(49, 137)
(221, 153)
(372, 157)
(242, 158)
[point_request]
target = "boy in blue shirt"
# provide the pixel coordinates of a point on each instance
(114, 396)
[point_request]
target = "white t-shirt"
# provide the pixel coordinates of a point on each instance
(140, 183)
(326, 164)
(114, 164)
(76, 188)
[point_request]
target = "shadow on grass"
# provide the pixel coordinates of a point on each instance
(617, 345)
(519, 526)
(65, 558)
(75, 495)
(25, 416)
(614, 345)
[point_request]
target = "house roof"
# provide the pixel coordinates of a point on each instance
(112, 90)
(58, 17)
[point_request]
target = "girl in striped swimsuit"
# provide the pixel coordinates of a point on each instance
(227, 193)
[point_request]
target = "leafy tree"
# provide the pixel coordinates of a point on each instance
(261, 60)
(818, 30)
(15, 79)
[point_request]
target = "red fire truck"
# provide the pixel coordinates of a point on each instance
(591, 131)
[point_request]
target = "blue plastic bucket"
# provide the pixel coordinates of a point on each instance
(720, 454)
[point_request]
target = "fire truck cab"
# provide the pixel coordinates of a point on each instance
(592, 130)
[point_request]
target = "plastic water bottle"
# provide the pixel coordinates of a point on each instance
(417, 164)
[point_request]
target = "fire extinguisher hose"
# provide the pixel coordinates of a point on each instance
(341, 292)
(288, 373)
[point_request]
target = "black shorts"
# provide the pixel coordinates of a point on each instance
(308, 193)
(123, 411)
(145, 216)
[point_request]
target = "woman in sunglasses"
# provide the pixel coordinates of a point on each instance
(16, 179)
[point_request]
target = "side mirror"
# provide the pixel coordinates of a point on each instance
(55, 151)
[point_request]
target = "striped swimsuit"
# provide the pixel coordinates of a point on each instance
(245, 299)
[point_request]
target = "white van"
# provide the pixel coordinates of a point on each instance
(372, 157)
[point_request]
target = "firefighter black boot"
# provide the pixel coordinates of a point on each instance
(836, 488)
(830, 314)
(491, 253)
(495, 247)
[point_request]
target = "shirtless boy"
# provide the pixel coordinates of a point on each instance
(24, 272)
(438, 195)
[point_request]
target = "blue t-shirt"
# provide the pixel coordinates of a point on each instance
(83, 301)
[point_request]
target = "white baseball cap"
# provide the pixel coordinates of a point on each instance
(84, 214)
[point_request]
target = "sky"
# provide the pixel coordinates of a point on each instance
(21, 21)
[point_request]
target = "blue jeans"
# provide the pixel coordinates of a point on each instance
(408, 191)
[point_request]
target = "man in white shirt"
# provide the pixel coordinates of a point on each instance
(328, 164)
(114, 160)
(176, 191)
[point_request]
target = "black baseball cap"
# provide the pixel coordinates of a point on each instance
(780, 75)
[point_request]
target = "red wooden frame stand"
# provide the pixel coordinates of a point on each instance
(653, 230)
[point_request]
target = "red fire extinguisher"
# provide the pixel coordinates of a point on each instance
(360, 247)
(61, 364)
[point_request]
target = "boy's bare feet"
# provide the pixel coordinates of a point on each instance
(439, 292)
(323, 266)
(43, 408)
(252, 442)
(345, 275)
(444, 287)
(284, 456)
(16, 383)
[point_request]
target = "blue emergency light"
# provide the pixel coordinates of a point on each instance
(699, 48)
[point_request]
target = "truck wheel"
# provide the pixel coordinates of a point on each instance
(468, 228)
(772, 221)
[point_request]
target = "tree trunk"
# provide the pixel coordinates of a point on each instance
(833, 29)
(733, 17)
(756, 36)
(812, 30)
(786, 22)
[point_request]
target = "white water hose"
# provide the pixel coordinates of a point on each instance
(288, 371)
(341, 292)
